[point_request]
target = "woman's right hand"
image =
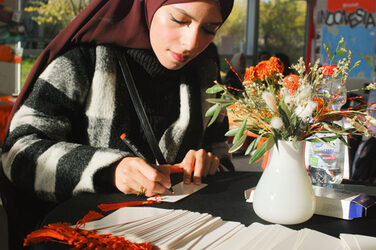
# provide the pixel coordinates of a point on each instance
(134, 176)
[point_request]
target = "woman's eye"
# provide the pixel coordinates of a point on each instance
(210, 29)
(209, 32)
(176, 20)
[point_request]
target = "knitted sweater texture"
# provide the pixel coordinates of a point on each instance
(64, 139)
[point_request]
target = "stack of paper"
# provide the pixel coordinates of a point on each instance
(358, 242)
(182, 229)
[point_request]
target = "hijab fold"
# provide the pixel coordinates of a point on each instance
(122, 23)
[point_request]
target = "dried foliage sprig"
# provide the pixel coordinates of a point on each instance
(275, 107)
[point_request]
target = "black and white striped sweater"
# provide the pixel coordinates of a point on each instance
(64, 139)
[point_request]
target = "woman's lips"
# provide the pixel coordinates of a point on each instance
(178, 57)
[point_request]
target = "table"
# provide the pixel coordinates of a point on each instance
(223, 197)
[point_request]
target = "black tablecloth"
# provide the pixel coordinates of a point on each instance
(223, 197)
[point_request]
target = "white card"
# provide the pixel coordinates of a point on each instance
(181, 191)
(271, 236)
(215, 236)
(357, 241)
(350, 241)
(312, 240)
(242, 238)
(125, 215)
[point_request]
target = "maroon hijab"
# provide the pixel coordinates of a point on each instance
(118, 22)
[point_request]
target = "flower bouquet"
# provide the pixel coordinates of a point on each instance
(283, 112)
(275, 108)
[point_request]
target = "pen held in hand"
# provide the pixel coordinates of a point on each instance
(124, 138)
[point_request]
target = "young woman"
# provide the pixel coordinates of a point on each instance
(64, 136)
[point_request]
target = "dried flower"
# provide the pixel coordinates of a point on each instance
(276, 122)
(305, 111)
(279, 107)
(270, 101)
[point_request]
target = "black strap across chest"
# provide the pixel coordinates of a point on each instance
(136, 100)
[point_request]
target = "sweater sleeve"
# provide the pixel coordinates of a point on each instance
(46, 151)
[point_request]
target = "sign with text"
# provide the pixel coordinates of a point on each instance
(351, 5)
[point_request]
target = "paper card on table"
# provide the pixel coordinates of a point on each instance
(288, 243)
(201, 227)
(350, 241)
(242, 238)
(140, 227)
(357, 241)
(271, 237)
(149, 230)
(125, 215)
(311, 240)
(181, 191)
(165, 228)
(213, 236)
(235, 231)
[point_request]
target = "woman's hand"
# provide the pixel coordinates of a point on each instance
(134, 176)
(199, 163)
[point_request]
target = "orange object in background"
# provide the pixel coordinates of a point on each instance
(6, 104)
(351, 5)
(7, 55)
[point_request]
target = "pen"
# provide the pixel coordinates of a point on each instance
(124, 138)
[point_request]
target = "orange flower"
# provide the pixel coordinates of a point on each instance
(266, 68)
(291, 82)
(262, 70)
(276, 64)
(250, 74)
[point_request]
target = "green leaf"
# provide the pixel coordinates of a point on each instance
(212, 110)
(214, 90)
(215, 115)
(252, 145)
(232, 132)
(238, 144)
(240, 131)
(261, 150)
(284, 117)
(220, 100)
(343, 140)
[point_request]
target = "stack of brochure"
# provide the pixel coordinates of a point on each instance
(182, 229)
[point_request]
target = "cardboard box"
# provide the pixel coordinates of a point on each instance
(343, 204)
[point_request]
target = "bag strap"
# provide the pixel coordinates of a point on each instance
(136, 100)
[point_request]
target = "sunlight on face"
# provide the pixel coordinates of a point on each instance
(179, 32)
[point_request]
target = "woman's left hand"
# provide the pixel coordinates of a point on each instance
(198, 164)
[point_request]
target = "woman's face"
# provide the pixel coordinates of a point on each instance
(179, 32)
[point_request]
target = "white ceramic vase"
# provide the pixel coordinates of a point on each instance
(284, 193)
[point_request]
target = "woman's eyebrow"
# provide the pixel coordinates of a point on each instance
(188, 15)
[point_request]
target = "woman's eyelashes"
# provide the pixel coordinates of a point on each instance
(210, 32)
(184, 22)
(177, 21)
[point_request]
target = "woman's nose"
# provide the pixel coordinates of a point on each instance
(190, 39)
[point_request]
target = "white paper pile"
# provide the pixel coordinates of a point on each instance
(182, 229)
(358, 242)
